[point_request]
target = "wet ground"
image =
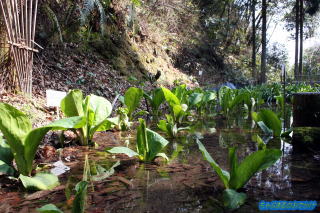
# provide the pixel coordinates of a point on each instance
(186, 184)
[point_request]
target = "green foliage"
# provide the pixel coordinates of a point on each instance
(95, 110)
(268, 121)
(49, 208)
(80, 199)
(41, 181)
(169, 127)
(23, 141)
(155, 99)
(178, 110)
(149, 144)
(122, 122)
(132, 99)
(233, 199)
(241, 173)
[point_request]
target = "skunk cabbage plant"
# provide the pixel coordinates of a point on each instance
(240, 173)
(24, 141)
(149, 145)
(95, 110)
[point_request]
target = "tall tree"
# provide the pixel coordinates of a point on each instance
(301, 14)
(264, 42)
(254, 53)
(296, 53)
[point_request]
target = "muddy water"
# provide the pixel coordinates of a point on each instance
(186, 184)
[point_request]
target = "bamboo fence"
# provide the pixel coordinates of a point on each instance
(20, 20)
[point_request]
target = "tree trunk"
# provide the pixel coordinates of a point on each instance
(264, 42)
(301, 37)
(296, 53)
(253, 10)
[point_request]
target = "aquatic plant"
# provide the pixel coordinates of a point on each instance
(24, 141)
(155, 99)
(240, 173)
(177, 110)
(79, 202)
(169, 127)
(149, 145)
(268, 121)
(95, 110)
(132, 99)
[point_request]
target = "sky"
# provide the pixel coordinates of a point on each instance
(277, 33)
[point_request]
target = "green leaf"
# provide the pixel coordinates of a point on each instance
(35, 136)
(132, 99)
(80, 199)
(170, 97)
(49, 208)
(233, 199)
(6, 169)
(99, 109)
(208, 96)
(15, 125)
(41, 181)
(163, 155)
(142, 141)
(252, 164)
(264, 128)
(195, 98)
(71, 105)
(270, 119)
(259, 141)
(155, 143)
(123, 150)
(224, 175)
(157, 98)
(103, 173)
(233, 160)
(6, 154)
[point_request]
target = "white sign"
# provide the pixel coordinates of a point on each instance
(54, 97)
(200, 73)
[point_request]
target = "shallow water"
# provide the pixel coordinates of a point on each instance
(186, 184)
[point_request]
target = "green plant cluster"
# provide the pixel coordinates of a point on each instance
(173, 110)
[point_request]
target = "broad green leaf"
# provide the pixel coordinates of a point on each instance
(157, 98)
(155, 143)
(6, 154)
(209, 96)
(49, 208)
(233, 199)
(35, 136)
(252, 164)
(224, 175)
(15, 125)
(100, 108)
(180, 92)
(103, 173)
(41, 181)
(270, 119)
(195, 98)
(123, 150)
(170, 97)
(6, 169)
(71, 105)
(132, 99)
(80, 200)
(162, 125)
